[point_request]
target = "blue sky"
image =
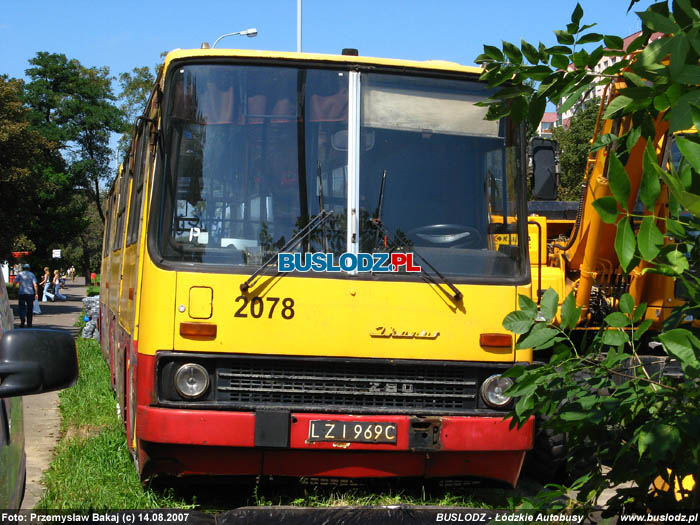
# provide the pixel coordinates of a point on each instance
(130, 34)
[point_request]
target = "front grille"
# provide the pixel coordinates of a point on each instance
(335, 384)
(345, 385)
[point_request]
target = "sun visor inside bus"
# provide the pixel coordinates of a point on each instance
(416, 110)
(224, 106)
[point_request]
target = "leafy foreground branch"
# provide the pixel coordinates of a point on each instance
(632, 424)
(637, 427)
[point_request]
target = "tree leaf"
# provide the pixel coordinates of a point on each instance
(512, 52)
(518, 322)
(527, 305)
(539, 336)
(617, 320)
(564, 37)
(679, 52)
(675, 227)
(690, 151)
(560, 62)
(530, 52)
(613, 42)
(573, 98)
(494, 53)
(618, 181)
(650, 187)
(649, 239)
(570, 314)
(678, 261)
(618, 105)
(633, 137)
(625, 244)
(607, 209)
(634, 78)
(577, 14)
(659, 439)
(658, 23)
(689, 75)
(558, 50)
(682, 344)
(681, 116)
(642, 328)
(536, 110)
(589, 38)
(549, 304)
(655, 52)
(626, 303)
(615, 337)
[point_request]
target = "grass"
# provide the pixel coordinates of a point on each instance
(91, 291)
(92, 468)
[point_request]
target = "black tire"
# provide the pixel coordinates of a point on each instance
(549, 460)
(546, 462)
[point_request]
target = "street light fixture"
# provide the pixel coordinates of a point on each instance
(251, 32)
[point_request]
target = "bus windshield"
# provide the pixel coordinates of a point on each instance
(253, 152)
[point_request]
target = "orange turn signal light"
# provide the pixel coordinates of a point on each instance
(499, 340)
(198, 330)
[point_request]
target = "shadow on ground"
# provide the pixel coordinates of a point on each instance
(218, 494)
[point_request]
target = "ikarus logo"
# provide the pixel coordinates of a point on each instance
(346, 262)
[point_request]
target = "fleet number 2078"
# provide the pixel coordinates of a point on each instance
(256, 307)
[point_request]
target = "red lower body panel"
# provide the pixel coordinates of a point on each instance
(220, 442)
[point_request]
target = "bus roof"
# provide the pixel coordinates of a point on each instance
(434, 65)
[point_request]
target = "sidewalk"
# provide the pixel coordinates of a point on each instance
(42, 419)
(59, 315)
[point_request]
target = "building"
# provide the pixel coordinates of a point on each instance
(602, 65)
(548, 123)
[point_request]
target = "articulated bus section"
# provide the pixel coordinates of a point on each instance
(222, 364)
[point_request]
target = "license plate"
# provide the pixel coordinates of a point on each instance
(352, 431)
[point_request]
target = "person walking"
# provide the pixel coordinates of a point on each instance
(46, 283)
(28, 291)
(57, 286)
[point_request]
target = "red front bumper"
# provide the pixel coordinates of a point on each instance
(219, 442)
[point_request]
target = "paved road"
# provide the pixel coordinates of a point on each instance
(41, 416)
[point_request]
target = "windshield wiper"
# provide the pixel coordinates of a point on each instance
(319, 180)
(317, 221)
(377, 223)
(378, 212)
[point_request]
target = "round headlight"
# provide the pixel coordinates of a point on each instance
(191, 380)
(492, 391)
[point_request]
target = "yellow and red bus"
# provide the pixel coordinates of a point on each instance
(224, 364)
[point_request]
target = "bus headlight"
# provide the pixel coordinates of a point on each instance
(191, 380)
(492, 391)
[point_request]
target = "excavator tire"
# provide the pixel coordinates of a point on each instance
(546, 462)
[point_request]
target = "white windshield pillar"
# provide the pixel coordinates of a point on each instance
(353, 210)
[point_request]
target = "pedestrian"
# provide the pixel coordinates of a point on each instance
(28, 291)
(57, 286)
(46, 284)
(71, 272)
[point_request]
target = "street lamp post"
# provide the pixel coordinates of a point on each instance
(247, 32)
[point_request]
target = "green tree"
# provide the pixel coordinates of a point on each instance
(20, 146)
(75, 107)
(574, 147)
(135, 88)
(84, 250)
(638, 423)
